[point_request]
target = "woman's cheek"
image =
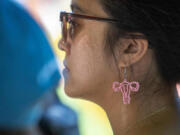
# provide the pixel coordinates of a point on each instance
(84, 58)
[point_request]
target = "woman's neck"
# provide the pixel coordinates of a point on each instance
(161, 122)
(156, 115)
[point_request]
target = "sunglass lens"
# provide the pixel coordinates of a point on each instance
(64, 29)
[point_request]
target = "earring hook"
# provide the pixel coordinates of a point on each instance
(125, 73)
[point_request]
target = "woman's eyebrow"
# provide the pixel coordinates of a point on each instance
(74, 7)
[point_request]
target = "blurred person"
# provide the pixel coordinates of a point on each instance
(29, 78)
(124, 55)
(28, 71)
(58, 118)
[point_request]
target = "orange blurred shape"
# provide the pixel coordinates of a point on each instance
(178, 88)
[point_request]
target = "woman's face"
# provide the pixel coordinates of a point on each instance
(90, 69)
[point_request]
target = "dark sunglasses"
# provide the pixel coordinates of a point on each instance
(68, 24)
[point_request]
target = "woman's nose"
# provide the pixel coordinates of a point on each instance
(62, 45)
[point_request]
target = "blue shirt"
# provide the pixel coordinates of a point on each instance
(28, 68)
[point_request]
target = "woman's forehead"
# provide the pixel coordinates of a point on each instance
(90, 7)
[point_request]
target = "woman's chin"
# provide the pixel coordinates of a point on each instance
(71, 92)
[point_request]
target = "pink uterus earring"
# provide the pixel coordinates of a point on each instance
(126, 87)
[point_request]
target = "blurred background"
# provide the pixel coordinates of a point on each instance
(92, 118)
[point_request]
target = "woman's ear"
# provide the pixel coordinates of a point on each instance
(133, 50)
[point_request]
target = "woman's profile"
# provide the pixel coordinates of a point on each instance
(124, 56)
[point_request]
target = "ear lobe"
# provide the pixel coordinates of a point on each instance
(133, 52)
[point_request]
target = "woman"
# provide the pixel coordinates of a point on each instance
(124, 55)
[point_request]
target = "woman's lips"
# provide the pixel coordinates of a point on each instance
(65, 70)
(65, 65)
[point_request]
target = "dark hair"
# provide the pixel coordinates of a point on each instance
(159, 21)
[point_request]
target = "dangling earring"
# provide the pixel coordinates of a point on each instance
(126, 87)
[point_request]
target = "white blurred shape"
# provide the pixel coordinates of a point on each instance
(49, 12)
